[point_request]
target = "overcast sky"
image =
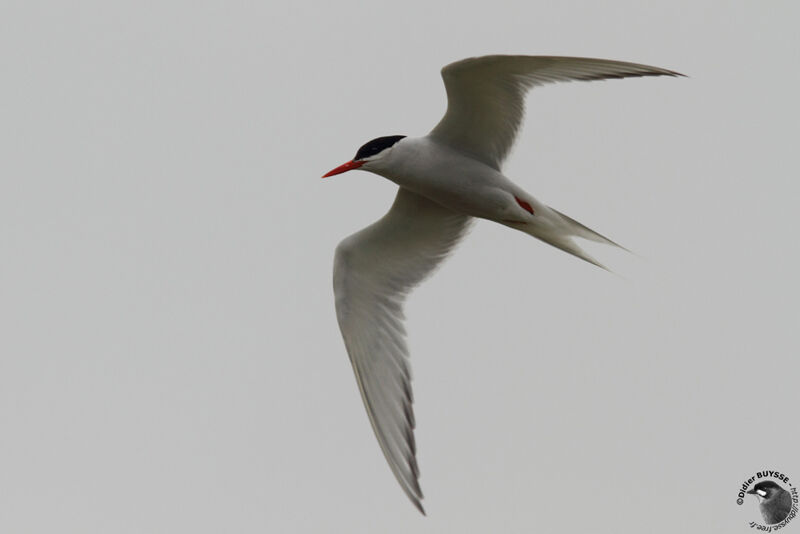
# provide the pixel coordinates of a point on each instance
(169, 355)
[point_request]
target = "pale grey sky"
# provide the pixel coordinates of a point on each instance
(169, 354)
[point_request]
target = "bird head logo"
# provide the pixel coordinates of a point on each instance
(774, 501)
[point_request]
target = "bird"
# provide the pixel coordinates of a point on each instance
(445, 180)
(774, 501)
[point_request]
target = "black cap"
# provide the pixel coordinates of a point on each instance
(376, 146)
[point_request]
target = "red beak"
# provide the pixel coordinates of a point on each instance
(349, 166)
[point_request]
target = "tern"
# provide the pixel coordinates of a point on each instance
(446, 179)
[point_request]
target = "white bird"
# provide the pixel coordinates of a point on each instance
(446, 179)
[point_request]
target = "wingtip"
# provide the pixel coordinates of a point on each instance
(416, 497)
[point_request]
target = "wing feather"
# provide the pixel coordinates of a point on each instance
(486, 96)
(374, 270)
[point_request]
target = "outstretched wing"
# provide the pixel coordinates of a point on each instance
(486, 96)
(374, 269)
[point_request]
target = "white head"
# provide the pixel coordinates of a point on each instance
(369, 155)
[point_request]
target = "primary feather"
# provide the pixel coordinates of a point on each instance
(486, 96)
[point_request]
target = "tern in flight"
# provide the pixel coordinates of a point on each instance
(446, 179)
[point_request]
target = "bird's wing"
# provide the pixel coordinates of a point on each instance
(486, 96)
(374, 270)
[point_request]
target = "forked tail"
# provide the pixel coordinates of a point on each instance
(559, 230)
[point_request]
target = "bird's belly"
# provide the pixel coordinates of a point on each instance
(486, 202)
(481, 197)
(487, 194)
